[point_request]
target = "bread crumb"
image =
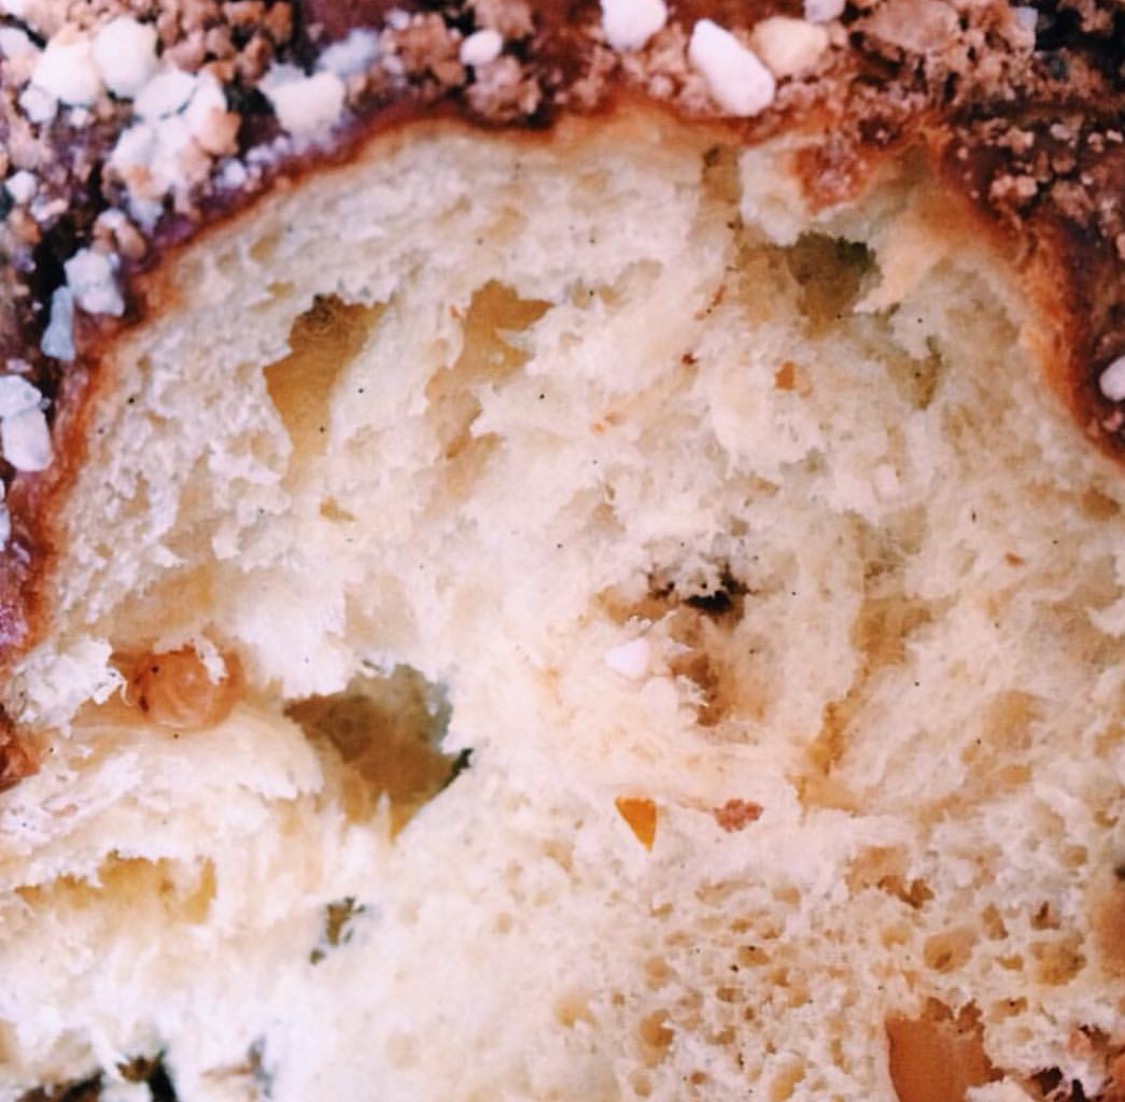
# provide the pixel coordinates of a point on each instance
(738, 82)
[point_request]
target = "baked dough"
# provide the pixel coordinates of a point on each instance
(563, 554)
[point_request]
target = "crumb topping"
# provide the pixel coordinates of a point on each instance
(737, 80)
(629, 24)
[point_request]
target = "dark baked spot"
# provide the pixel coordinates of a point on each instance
(84, 1090)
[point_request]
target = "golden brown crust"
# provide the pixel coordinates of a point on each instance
(1022, 121)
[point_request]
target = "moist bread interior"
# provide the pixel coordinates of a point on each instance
(668, 639)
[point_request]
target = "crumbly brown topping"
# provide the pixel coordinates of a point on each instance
(127, 124)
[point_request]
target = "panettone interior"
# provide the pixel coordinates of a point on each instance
(622, 633)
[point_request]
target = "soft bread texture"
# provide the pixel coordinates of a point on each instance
(777, 598)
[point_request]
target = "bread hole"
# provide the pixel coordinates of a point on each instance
(880, 632)
(153, 1073)
(490, 354)
(994, 758)
(1058, 962)
(793, 378)
(752, 956)
(883, 626)
(277, 289)
(337, 927)
(331, 511)
(714, 591)
(385, 733)
(895, 934)
(726, 1037)
(784, 1081)
(468, 457)
(262, 250)
(993, 923)
(573, 1008)
(1064, 631)
(727, 668)
(182, 892)
(1099, 506)
(19, 754)
(720, 178)
(916, 378)
(77, 1090)
(948, 950)
(936, 1057)
(249, 1078)
(719, 656)
(658, 972)
(641, 1084)
(709, 686)
(914, 893)
(1052, 1085)
(829, 273)
(656, 1037)
(1009, 1008)
(788, 895)
(322, 342)
(1108, 922)
(1045, 917)
(885, 868)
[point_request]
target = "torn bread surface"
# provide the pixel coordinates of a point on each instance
(776, 598)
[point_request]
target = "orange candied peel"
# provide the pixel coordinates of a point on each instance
(937, 1058)
(174, 689)
(641, 815)
(737, 814)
